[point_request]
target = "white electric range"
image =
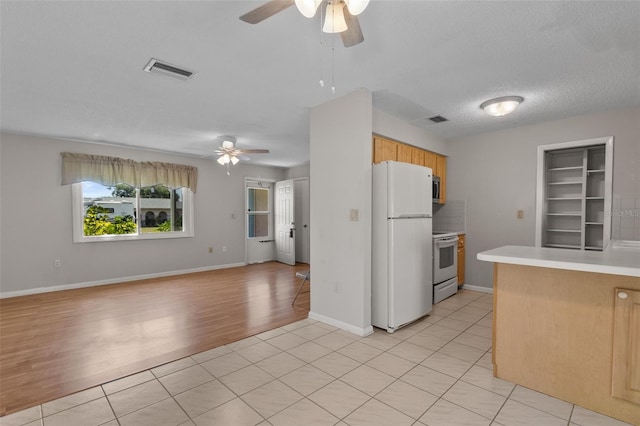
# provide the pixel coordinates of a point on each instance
(445, 265)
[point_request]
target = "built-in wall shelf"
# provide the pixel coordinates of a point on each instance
(565, 183)
(573, 181)
(565, 246)
(560, 169)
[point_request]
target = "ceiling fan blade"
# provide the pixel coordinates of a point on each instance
(353, 34)
(254, 151)
(265, 11)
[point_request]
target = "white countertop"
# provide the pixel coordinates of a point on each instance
(610, 261)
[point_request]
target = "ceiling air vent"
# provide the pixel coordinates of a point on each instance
(166, 70)
(438, 119)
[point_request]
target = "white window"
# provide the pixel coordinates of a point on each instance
(258, 212)
(122, 212)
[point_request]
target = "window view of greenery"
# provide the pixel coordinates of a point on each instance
(114, 210)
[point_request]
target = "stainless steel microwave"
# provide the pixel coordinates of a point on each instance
(436, 189)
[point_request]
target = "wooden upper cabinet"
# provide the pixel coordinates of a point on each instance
(384, 150)
(441, 167)
(405, 153)
(389, 150)
(430, 161)
(625, 383)
(417, 156)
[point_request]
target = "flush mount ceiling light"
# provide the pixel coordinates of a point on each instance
(499, 107)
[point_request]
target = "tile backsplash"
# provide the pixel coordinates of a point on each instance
(625, 218)
(450, 216)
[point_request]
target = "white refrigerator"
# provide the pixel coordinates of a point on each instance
(402, 248)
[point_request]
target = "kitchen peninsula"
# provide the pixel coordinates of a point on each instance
(567, 323)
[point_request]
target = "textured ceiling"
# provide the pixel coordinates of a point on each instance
(73, 69)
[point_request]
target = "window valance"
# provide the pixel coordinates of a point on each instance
(111, 171)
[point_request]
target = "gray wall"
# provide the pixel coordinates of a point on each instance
(298, 172)
(36, 220)
(395, 128)
(495, 173)
(341, 248)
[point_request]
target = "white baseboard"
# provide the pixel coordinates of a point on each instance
(38, 290)
(362, 332)
(479, 288)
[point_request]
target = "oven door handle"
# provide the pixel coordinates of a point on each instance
(448, 241)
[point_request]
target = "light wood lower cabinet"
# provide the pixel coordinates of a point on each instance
(461, 242)
(389, 150)
(570, 335)
(625, 381)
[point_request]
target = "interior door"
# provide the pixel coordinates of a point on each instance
(259, 228)
(284, 222)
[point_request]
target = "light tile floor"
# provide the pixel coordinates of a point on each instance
(434, 372)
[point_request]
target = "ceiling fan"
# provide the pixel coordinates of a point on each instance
(338, 18)
(229, 154)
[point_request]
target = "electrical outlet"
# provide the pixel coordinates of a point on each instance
(520, 214)
(337, 287)
(224, 249)
(354, 215)
(57, 263)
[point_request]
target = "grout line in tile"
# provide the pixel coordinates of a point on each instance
(573, 408)
(115, 416)
(503, 404)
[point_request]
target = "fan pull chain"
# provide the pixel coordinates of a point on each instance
(333, 65)
(333, 57)
(321, 82)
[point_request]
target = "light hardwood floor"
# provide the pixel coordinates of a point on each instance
(55, 344)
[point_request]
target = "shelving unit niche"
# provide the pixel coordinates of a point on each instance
(574, 195)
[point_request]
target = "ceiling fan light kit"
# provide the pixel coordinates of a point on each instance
(356, 7)
(334, 19)
(502, 106)
(228, 153)
(308, 8)
(337, 19)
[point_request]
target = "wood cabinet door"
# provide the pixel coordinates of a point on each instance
(384, 150)
(625, 380)
(441, 167)
(417, 156)
(405, 153)
(430, 161)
